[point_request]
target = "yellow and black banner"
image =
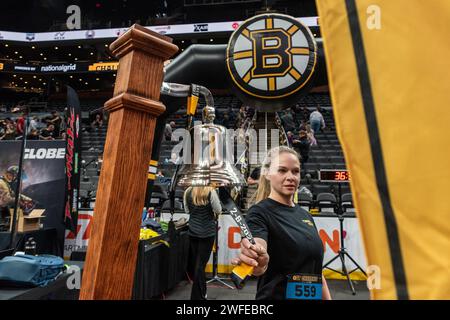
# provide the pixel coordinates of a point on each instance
(388, 70)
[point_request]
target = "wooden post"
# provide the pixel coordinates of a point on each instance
(112, 252)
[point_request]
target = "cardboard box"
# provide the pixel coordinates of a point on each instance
(30, 222)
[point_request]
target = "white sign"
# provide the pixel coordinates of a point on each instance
(81, 240)
(114, 33)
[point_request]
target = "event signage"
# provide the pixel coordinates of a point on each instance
(79, 239)
(202, 27)
(59, 67)
(73, 159)
(75, 35)
(30, 36)
(103, 66)
(25, 68)
(44, 153)
(43, 177)
(270, 60)
(59, 35)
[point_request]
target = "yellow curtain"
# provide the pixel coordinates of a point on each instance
(388, 66)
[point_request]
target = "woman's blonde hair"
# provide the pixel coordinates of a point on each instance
(263, 190)
(200, 195)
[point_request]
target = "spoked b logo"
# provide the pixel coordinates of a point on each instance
(271, 57)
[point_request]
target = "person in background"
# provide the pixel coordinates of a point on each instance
(168, 130)
(254, 176)
(302, 144)
(203, 206)
(305, 113)
(288, 244)
(160, 174)
(33, 135)
(56, 120)
(288, 121)
(20, 123)
(310, 135)
(10, 131)
(290, 137)
(48, 133)
(302, 125)
(33, 124)
(316, 120)
(98, 121)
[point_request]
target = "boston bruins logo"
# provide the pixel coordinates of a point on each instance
(270, 58)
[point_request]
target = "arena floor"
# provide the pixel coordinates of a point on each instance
(339, 291)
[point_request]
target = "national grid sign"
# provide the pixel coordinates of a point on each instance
(270, 58)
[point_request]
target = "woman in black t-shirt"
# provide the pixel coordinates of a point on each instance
(288, 254)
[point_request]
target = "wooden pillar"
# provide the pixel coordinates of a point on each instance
(112, 251)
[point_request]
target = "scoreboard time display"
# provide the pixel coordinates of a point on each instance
(330, 175)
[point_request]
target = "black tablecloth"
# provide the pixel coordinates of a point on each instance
(160, 268)
(46, 241)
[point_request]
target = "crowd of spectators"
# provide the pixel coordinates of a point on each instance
(50, 127)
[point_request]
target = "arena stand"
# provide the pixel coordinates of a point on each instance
(327, 154)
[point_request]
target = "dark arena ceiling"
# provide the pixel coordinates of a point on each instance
(51, 16)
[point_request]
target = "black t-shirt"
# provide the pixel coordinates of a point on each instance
(293, 245)
(256, 173)
(47, 133)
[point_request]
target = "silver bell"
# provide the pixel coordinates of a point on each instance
(212, 156)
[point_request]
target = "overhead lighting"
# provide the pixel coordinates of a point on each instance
(79, 47)
(92, 53)
(182, 41)
(56, 48)
(70, 54)
(45, 58)
(211, 40)
(21, 78)
(6, 45)
(44, 83)
(40, 79)
(97, 79)
(26, 82)
(15, 52)
(71, 77)
(86, 83)
(76, 59)
(20, 57)
(41, 54)
(80, 79)
(106, 45)
(34, 77)
(14, 75)
(33, 47)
